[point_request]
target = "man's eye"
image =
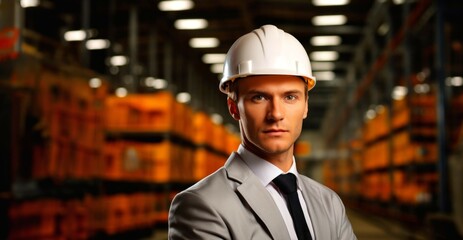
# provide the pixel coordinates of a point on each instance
(291, 97)
(258, 98)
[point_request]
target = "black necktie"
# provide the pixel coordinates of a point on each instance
(288, 186)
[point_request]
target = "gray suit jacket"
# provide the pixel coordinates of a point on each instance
(232, 204)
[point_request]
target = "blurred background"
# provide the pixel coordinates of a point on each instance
(109, 108)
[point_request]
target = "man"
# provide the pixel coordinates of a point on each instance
(267, 76)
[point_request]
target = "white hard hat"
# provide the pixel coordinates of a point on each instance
(266, 51)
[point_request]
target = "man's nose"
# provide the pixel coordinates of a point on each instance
(275, 110)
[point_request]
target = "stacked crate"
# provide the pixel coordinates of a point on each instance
(161, 141)
(35, 219)
(375, 157)
(414, 144)
(71, 127)
(112, 214)
(158, 112)
(175, 144)
(412, 139)
(156, 162)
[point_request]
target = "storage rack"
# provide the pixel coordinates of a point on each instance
(404, 142)
(70, 174)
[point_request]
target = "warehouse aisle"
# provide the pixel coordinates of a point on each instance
(369, 227)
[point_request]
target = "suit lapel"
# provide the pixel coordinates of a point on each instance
(316, 211)
(256, 196)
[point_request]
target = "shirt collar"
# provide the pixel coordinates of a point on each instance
(263, 169)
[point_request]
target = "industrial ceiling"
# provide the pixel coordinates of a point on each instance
(133, 26)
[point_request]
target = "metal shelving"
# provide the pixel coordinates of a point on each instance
(411, 54)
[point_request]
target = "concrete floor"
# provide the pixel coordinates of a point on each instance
(368, 227)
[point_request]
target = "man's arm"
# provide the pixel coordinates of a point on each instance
(191, 217)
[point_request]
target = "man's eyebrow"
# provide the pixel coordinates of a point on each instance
(295, 91)
(263, 92)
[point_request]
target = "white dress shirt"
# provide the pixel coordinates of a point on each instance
(266, 172)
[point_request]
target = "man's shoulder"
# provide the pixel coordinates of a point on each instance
(210, 185)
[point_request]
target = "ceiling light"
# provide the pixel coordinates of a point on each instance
(399, 92)
(455, 81)
(156, 83)
(175, 5)
(183, 97)
(159, 83)
(217, 68)
(329, 2)
(322, 66)
(324, 75)
(421, 88)
(329, 20)
(121, 92)
(214, 58)
(75, 35)
(217, 118)
(204, 42)
(95, 83)
(118, 60)
(29, 3)
(190, 24)
(324, 56)
(370, 114)
(96, 44)
(383, 29)
(149, 81)
(325, 40)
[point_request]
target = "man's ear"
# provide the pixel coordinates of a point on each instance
(306, 110)
(233, 109)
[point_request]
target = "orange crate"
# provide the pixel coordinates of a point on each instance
(97, 213)
(215, 161)
(400, 140)
(159, 156)
(200, 166)
(202, 128)
(88, 163)
(75, 221)
(91, 132)
(404, 155)
(35, 219)
(376, 156)
(423, 100)
(401, 118)
(399, 105)
(217, 140)
(155, 112)
(302, 148)
(57, 159)
(182, 164)
(232, 142)
(112, 161)
(59, 122)
(188, 129)
(118, 218)
(139, 210)
(178, 118)
(116, 112)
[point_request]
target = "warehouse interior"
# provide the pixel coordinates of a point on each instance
(109, 108)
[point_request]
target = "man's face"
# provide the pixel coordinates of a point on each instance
(270, 110)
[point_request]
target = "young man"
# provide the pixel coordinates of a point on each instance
(258, 193)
